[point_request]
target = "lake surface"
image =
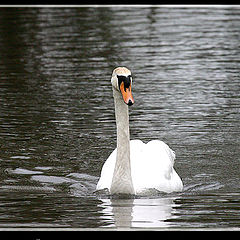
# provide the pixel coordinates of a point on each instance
(57, 122)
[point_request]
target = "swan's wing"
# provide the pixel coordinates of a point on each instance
(107, 172)
(152, 165)
(161, 158)
(162, 150)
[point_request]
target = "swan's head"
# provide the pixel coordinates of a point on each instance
(122, 82)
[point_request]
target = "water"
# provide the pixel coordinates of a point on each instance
(57, 123)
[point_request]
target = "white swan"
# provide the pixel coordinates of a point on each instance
(134, 167)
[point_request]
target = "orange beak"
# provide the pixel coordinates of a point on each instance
(127, 94)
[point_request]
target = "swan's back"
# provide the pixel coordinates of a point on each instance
(151, 167)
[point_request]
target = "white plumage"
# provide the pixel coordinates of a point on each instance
(151, 168)
(135, 167)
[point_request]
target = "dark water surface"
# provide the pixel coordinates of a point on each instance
(57, 123)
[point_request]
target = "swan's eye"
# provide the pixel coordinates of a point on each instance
(127, 80)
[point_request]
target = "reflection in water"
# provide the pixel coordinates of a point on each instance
(141, 212)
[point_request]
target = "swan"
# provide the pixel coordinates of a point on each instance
(134, 167)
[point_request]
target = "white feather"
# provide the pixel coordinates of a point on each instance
(134, 167)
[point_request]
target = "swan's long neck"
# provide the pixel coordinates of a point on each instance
(122, 179)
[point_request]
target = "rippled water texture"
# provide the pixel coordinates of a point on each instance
(57, 123)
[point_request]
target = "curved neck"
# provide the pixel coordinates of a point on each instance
(122, 179)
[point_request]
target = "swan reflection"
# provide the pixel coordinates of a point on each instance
(126, 213)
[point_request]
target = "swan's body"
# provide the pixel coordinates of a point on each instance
(134, 167)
